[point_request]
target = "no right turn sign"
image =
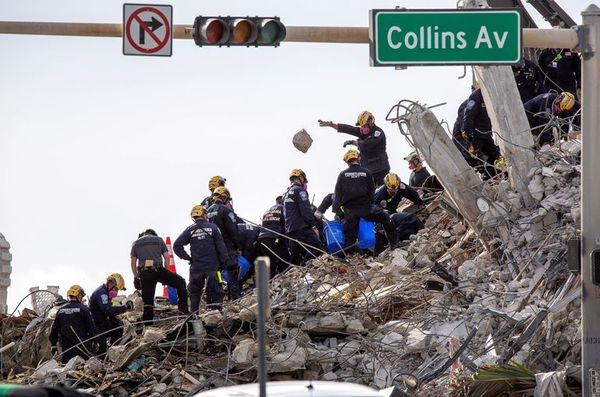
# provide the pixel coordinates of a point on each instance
(147, 29)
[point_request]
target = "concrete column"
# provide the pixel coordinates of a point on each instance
(5, 271)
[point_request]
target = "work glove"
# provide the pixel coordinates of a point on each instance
(53, 350)
(383, 203)
(325, 123)
(129, 305)
(467, 135)
(350, 143)
(318, 215)
(95, 347)
(337, 217)
(137, 283)
(316, 232)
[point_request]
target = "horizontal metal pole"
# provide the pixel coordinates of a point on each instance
(532, 38)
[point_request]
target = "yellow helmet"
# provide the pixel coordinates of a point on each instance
(392, 181)
(76, 290)
(215, 182)
(363, 117)
(221, 192)
(296, 173)
(118, 280)
(475, 85)
(566, 101)
(412, 156)
(351, 155)
(198, 211)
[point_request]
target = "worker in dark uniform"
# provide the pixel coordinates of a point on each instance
(562, 70)
(208, 256)
(390, 195)
(541, 109)
(420, 176)
(225, 219)
(270, 241)
(300, 222)
(371, 143)
(528, 79)
(353, 196)
(248, 236)
(73, 324)
(213, 183)
(477, 129)
(105, 314)
(147, 255)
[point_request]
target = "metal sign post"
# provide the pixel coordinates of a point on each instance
(590, 201)
(262, 265)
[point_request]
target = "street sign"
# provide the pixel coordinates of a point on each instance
(445, 37)
(147, 29)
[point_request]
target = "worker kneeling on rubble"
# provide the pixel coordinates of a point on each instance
(147, 254)
(545, 107)
(353, 196)
(391, 194)
(300, 222)
(208, 255)
(73, 326)
(105, 313)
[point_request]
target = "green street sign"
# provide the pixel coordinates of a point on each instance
(445, 37)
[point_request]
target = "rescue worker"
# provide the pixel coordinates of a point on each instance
(542, 108)
(72, 326)
(270, 241)
(147, 255)
(371, 143)
(213, 183)
(248, 236)
(109, 327)
(353, 196)
(477, 130)
(208, 255)
(406, 224)
(562, 70)
(420, 176)
(300, 222)
(528, 79)
(225, 219)
(390, 195)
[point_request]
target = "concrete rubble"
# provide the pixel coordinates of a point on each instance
(302, 140)
(405, 312)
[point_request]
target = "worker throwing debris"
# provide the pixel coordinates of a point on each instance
(74, 327)
(208, 255)
(147, 254)
(370, 141)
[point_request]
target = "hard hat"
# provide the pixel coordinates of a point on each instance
(215, 182)
(475, 85)
(566, 101)
(351, 155)
(363, 117)
(392, 181)
(76, 290)
(198, 211)
(118, 280)
(412, 156)
(296, 173)
(221, 192)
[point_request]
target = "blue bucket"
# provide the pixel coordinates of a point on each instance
(334, 236)
(335, 239)
(244, 265)
(366, 234)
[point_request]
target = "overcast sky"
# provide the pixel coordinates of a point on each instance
(96, 146)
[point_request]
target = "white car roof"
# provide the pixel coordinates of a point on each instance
(295, 389)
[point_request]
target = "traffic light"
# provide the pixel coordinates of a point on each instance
(238, 31)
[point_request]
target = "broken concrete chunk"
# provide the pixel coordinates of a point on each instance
(334, 322)
(42, 370)
(355, 326)
(302, 141)
(392, 339)
(244, 352)
(417, 340)
(211, 318)
(153, 335)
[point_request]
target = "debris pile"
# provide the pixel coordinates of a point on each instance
(429, 314)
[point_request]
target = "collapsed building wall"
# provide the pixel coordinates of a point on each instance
(5, 270)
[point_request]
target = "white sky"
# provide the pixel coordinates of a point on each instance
(96, 146)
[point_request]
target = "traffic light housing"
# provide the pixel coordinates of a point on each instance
(238, 31)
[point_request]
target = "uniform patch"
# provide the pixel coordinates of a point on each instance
(104, 298)
(377, 133)
(471, 104)
(232, 217)
(304, 195)
(402, 186)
